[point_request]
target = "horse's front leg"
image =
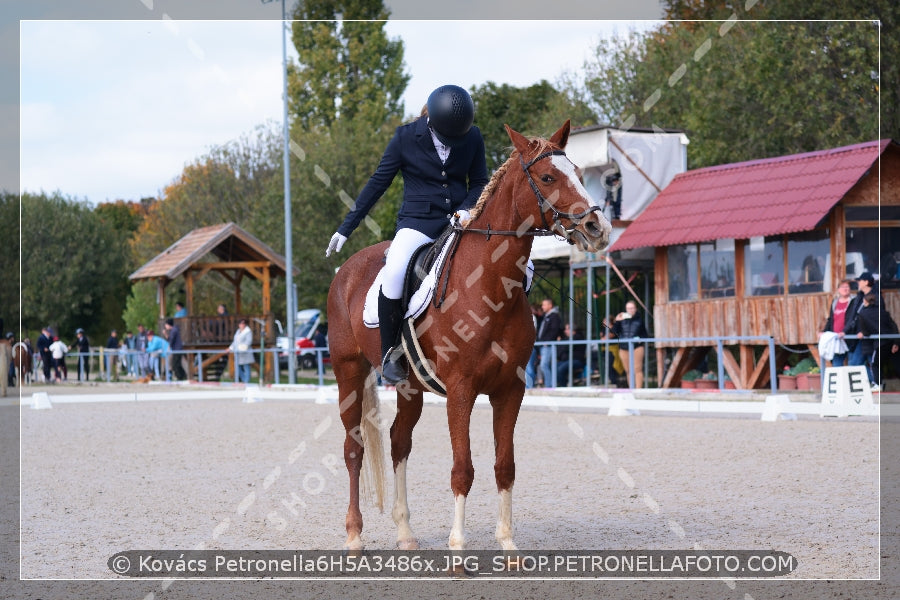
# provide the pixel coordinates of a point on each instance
(459, 414)
(409, 409)
(506, 412)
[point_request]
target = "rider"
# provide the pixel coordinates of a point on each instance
(441, 157)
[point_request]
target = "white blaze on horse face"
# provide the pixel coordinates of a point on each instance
(566, 166)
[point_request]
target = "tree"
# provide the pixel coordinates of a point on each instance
(345, 102)
(745, 90)
(237, 182)
(9, 262)
(72, 264)
(536, 110)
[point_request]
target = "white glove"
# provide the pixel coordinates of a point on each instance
(336, 243)
(461, 217)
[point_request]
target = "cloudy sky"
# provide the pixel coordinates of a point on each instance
(116, 109)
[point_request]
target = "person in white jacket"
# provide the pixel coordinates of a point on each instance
(242, 349)
(58, 351)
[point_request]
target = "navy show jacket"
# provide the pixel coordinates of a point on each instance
(431, 190)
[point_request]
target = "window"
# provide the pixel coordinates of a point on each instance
(764, 266)
(682, 275)
(717, 263)
(806, 270)
(867, 229)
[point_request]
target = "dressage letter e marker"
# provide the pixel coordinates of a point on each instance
(846, 392)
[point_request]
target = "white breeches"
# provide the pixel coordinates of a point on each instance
(402, 247)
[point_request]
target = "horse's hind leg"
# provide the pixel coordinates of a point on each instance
(409, 409)
(350, 395)
(506, 411)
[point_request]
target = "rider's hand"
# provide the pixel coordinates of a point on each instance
(461, 217)
(336, 243)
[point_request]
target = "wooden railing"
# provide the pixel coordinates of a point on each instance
(218, 331)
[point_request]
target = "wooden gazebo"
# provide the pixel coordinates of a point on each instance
(758, 248)
(235, 254)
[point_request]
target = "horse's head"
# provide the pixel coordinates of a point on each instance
(562, 204)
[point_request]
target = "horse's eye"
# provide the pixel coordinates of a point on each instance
(547, 178)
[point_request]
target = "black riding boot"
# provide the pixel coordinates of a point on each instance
(390, 319)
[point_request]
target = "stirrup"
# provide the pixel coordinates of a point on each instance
(394, 367)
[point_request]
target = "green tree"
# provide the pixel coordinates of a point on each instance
(236, 182)
(9, 262)
(536, 110)
(345, 102)
(744, 90)
(74, 261)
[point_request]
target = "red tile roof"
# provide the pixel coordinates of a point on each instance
(749, 199)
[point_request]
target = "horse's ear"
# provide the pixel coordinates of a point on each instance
(520, 142)
(561, 137)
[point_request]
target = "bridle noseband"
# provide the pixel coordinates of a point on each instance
(557, 228)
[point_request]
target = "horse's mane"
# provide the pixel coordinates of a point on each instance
(491, 187)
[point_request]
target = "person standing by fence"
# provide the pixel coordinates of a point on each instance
(241, 347)
(173, 334)
(550, 331)
(83, 345)
(157, 348)
(629, 325)
(43, 349)
(842, 307)
(112, 356)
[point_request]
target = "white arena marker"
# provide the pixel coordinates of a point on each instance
(622, 406)
(40, 400)
(775, 407)
(251, 394)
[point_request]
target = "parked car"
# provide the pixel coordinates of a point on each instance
(305, 324)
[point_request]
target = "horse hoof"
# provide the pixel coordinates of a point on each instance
(407, 545)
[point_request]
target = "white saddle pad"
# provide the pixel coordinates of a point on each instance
(419, 300)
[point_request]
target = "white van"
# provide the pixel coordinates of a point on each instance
(305, 324)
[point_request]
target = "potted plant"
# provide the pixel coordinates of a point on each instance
(688, 379)
(729, 384)
(803, 371)
(810, 380)
(787, 380)
(707, 381)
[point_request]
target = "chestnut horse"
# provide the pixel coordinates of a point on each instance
(23, 363)
(477, 342)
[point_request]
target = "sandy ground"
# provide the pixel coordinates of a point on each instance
(100, 478)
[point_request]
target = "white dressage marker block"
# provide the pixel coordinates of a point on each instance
(622, 406)
(251, 394)
(776, 407)
(847, 392)
(40, 400)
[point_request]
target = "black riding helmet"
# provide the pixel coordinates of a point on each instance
(451, 113)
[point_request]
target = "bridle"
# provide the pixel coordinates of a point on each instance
(557, 228)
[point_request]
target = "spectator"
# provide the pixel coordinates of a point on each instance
(614, 195)
(112, 356)
(550, 330)
(157, 348)
(180, 310)
(566, 355)
(130, 344)
(83, 345)
(629, 325)
(842, 305)
(58, 353)
(173, 334)
(140, 346)
(537, 316)
(241, 347)
(43, 349)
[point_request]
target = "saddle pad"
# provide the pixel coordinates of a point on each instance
(417, 303)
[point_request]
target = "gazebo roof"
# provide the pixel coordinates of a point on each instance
(227, 241)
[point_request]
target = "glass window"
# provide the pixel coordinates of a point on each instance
(717, 264)
(863, 254)
(682, 264)
(764, 266)
(808, 258)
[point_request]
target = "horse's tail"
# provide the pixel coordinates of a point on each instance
(372, 475)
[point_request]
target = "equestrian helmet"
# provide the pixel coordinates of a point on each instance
(451, 113)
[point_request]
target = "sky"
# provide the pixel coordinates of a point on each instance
(116, 109)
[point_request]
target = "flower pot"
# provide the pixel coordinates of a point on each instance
(707, 384)
(688, 385)
(787, 382)
(729, 385)
(803, 381)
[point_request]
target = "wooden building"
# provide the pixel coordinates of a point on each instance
(757, 249)
(235, 254)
